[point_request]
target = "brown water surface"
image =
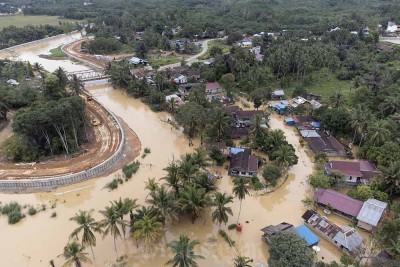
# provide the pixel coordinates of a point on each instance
(37, 239)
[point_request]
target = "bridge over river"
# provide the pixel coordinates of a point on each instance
(89, 75)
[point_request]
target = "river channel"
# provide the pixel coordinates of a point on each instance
(37, 239)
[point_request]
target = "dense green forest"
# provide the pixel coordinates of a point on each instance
(49, 119)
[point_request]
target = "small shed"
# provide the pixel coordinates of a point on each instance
(289, 121)
(370, 214)
(307, 235)
(278, 94)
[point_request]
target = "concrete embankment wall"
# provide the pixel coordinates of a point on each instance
(12, 48)
(48, 182)
(44, 183)
(87, 63)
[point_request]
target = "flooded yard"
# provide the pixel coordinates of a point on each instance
(37, 239)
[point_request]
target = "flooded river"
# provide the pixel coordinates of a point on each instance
(38, 239)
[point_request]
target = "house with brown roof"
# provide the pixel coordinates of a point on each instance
(243, 163)
(242, 117)
(271, 230)
(344, 237)
(213, 88)
(341, 204)
(356, 172)
(321, 141)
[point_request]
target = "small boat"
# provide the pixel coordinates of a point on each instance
(327, 211)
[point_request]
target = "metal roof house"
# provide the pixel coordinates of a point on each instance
(345, 237)
(356, 172)
(271, 230)
(370, 214)
(300, 230)
(243, 163)
(341, 203)
(278, 94)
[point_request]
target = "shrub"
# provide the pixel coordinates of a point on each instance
(271, 174)
(10, 207)
(18, 148)
(256, 184)
(217, 156)
(232, 226)
(112, 185)
(130, 169)
(147, 150)
(32, 211)
(53, 215)
(14, 216)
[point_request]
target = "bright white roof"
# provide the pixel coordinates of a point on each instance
(371, 212)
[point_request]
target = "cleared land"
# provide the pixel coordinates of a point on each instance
(106, 138)
(216, 43)
(21, 20)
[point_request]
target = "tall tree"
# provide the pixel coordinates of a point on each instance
(183, 248)
(88, 226)
(74, 253)
(241, 186)
(148, 228)
(241, 261)
(165, 201)
(76, 85)
(4, 108)
(221, 212)
(172, 177)
(392, 177)
(193, 200)
(111, 222)
(285, 156)
(218, 126)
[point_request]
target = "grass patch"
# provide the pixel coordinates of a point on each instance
(324, 83)
(131, 169)
(158, 60)
(57, 52)
(21, 20)
(216, 43)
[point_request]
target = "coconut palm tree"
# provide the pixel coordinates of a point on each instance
(4, 108)
(87, 225)
(359, 119)
(241, 261)
(172, 177)
(164, 201)
(392, 176)
(200, 158)
(193, 200)
(62, 77)
(378, 132)
(184, 252)
(336, 100)
(285, 156)
(221, 212)
(241, 186)
(187, 169)
(76, 85)
(74, 253)
(219, 125)
(122, 208)
(37, 67)
(256, 131)
(151, 185)
(148, 228)
(111, 222)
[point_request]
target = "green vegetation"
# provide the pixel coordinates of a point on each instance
(114, 183)
(13, 212)
(53, 215)
(131, 169)
(271, 174)
(21, 20)
(227, 238)
(32, 211)
(215, 47)
(156, 61)
(57, 52)
(103, 46)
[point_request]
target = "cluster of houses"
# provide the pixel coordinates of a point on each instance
(282, 106)
(368, 213)
(392, 30)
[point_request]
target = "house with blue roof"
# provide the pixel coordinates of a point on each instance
(307, 235)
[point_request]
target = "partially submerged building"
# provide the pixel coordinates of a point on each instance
(340, 203)
(301, 230)
(370, 214)
(242, 162)
(321, 141)
(356, 172)
(344, 237)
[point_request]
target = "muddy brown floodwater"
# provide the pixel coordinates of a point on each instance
(37, 239)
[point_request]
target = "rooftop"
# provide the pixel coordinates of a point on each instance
(282, 227)
(307, 235)
(339, 201)
(371, 212)
(278, 93)
(213, 86)
(362, 168)
(244, 161)
(325, 143)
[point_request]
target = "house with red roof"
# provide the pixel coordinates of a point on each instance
(356, 172)
(340, 203)
(213, 88)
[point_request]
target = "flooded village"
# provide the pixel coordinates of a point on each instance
(303, 175)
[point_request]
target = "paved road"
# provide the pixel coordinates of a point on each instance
(394, 40)
(192, 59)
